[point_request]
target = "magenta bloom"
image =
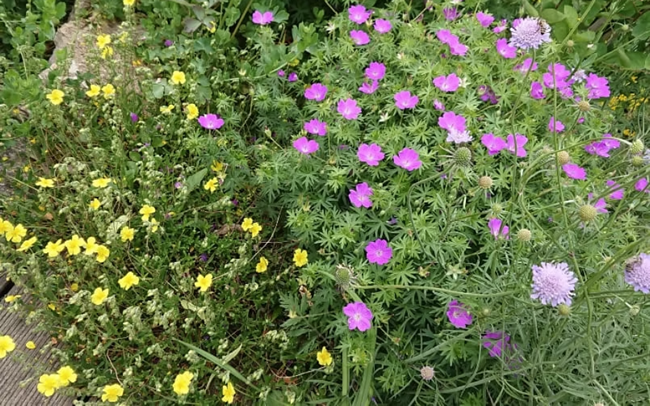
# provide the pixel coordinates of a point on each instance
(573, 171)
(262, 18)
(457, 315)
(316, 92)
(456, 48)
(134, 117)
(487, 94)
(617, 195)
(360, 196)
(494, 225)
(450, 13)
(598, 87)
(455, 126)
(553, 283)
(526, 66)
(370, 154)
(211, 121)
(556, 76)
(493, 144)
(506, 50)
(404, 100)
(293, 76)
(378, 252)
(359, 37)
(446, 37)
(497, 342)
(637, 273)
(408, 159)
(484, 19)
(555, 125)
(437, 104)
(382, 26)
(642, 185)
(448, 83)
(500, 27)
(521, 141)
(305, 146)
(359, 316)
(316, 127)
(536, 90)
(375, 71)
(369, 88)
(358, 14)
(602, 148)
(281, 73)
(348, 109)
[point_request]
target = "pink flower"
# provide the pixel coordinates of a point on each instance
(370, 154)
(556, 76)
(446, 37)
(359, 37)
(437, 104)
(525, 66)
(598, 87)
(382, 26)
(456, 48)
(451, 120)
(360, 196)
(494, 225)
(293, 76)
(316, 92)
(359, 316)
(369, 88)
(506, 50)
(573, 171)
(375, 71)
(408, 159)
(262, 18)
(536, 90)
(602, 148)
(617, 195)
(404, 100)
(211, 121)
(316, 127)
(484, 19)
(599, 205)
(521, 140)
(500, 27)
(348, 109)
(450, 13)
(457, 315)
(358, 14)
(378, 252)
(555, 125)
(493, 144)
(305, 146)
(642, 185)
(448, 83)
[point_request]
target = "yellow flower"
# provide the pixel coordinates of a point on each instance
(27, 168)
(101, 182)
(95, 204)
(129, 3)
(102, 253)
(154, 225)
(74, 245)
(123, 37)
(211, 185)
(147, 211)
(217, 166)
(255, 229)
(4, 226)
(99, 296)
(203, 282)
(74, 287)
(27, 244)
(94, 91)
(324, 357)
(182, 383)
(212, 28)
(55, 97)
(6, 346)
(67, 376)
(91, 246)
(108, 91)
(107, 52)
(228, 392)
(262, 265)
(112, 393)
(12, 298)
(300, 257)
(127, 234)
(247, 224)
(51, 307)
(192, 111)
(30, 345)
(128, 280)
(103, 40)
(48, 384)
(178, 78)
(167, 109)
(16, 234)
(45, 182)
(53, 249)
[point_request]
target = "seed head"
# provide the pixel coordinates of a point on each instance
(564, 310)
(587, 212)
(524, 235)
(496, 209)
(570, 43)
(583, 105)
(344, 276)
(463, 156)
(637, 160)
(427, 373)
(636, 147)
(485, 182)
(563, 157)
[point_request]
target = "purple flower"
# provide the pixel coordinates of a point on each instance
(348, 109)
(360, 196)
(134, 117)
(359, 37)
(358, 14)
(521, 140)
(574, 171)
(178, 185)
(293, 76)
(494, 225)
(553, 283)
(536, 90)
(602, 148)
(598, 87)
(556, 76)
(493, 144)
(378, 252)
(369, 88)
(526, 66)
(382, 26)
(446, 37)
(203, 257)
(506, 50)
(530, 33)
(316, 92)
(641, 185)
(555, 125)
(281, 73)
(581, 120)
(487, 94)
(404, 100)
(370, 154)
(500, 27)
(305, 146)
(455, 126)
(211, 121)
(484, 19)
(262, 18)
(437, 104)
(316, 127)
(450, 13)
(637, 273)
(448, 83)
(456, 48)
(497, 342)
(168, 43)
(407, 159)
(359, 316)
(375, 71)
(457, 315)
(617, 195)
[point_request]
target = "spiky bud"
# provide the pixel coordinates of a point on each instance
(463, 156)
(344, 276)
(587, 212)
(485, 182)
(564, 310)
(496, 209)
(570, 43)
(486, 312)
(427, 373)
(563, 157)
(524, 235)
(636, 147)
(637, 160)
(583, 105)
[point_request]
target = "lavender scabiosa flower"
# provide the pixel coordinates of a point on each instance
(530, 33)
(458, 316)
(553, 283)
(637, 273)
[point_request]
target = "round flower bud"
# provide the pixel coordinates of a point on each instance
(583, 105)
(524, 235)
(570, 43)
(564, 310)
(485, 182)
(636, 147)
(637, 160)
(344, 276)
(427, 373)
(563, 157)
(486, 312)
(463, 156)
(496, 208)
(625, 27)
(587, 212)
(634, 310)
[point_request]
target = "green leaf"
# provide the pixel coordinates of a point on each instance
(191, 25)
(158, 90)
(552, 16)
(532, 11)
(641, 29)
(571, 16)
(203, 45)
(195, 180)
(232, 15)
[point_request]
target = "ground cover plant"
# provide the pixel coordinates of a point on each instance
(402, 207)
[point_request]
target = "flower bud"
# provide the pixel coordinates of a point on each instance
(634, 310)
(625, 27)
(587, 213)
(564, 310)
(636, 147)
(486, 312)
(427, 373)
(583, 105)
(563, 157)
(524, 235)
(463, 157)
(570, 43)
(637, 160)
(496, 209)
(485, 182)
